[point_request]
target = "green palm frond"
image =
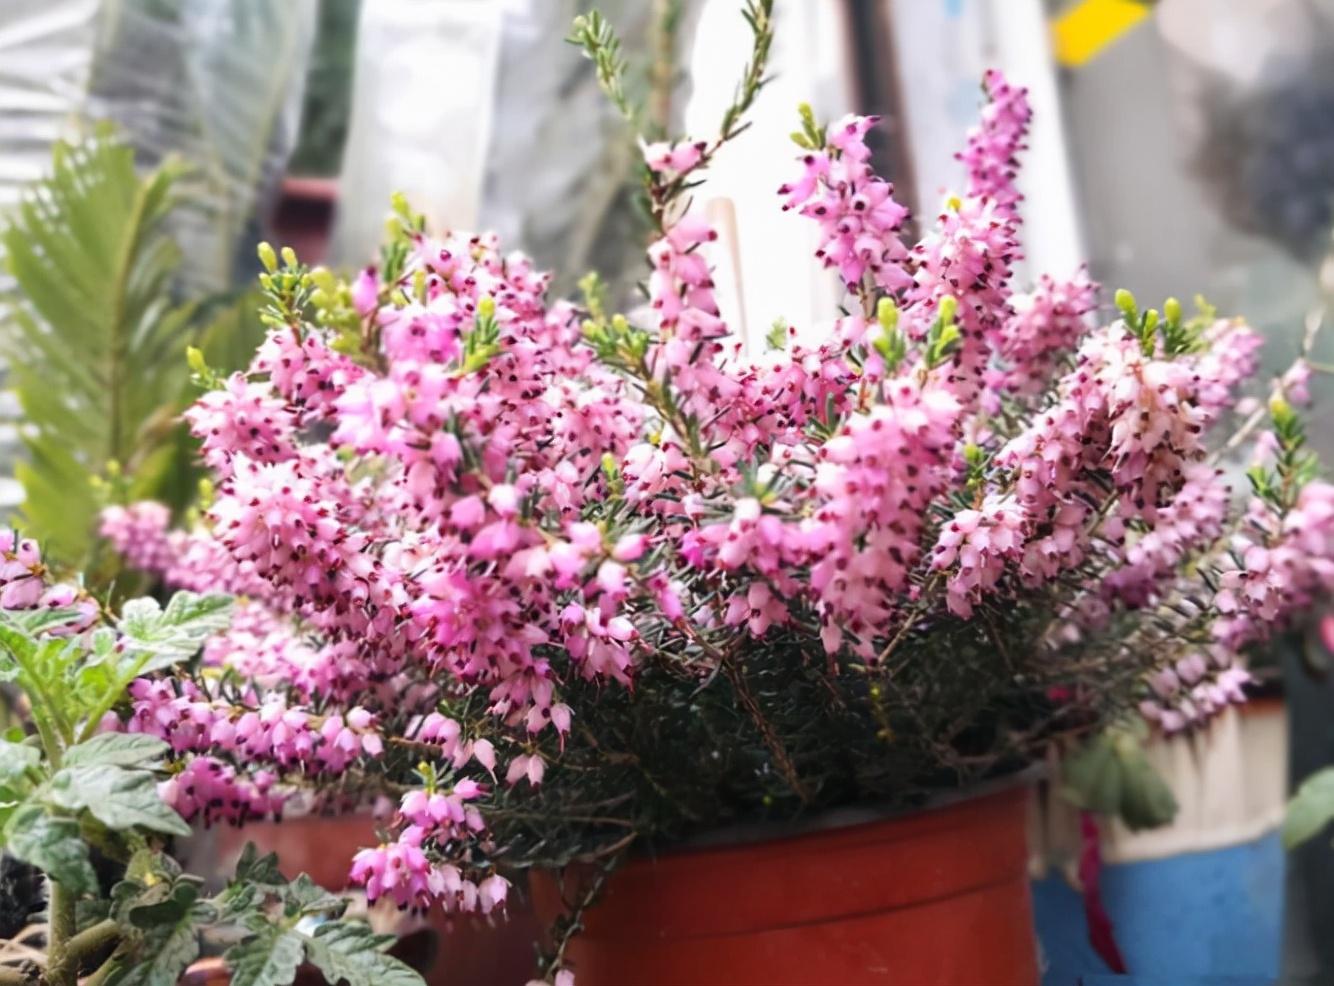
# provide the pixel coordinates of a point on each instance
(91, 335)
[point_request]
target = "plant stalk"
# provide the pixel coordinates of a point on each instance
(61, 922)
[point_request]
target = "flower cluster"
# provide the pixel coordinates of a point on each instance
(24, 585)
(273, 732)
(512, 537)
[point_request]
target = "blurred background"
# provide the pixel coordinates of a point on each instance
(1180, 147)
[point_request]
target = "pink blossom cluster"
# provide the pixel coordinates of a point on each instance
(402, 872)
(24, 584)
(1277, 566)
(1121, 416)
(210, 791)
(858, 217)
(273, 732)
(1045, 326)
(1193, 519)
(142, 535)
(969, 253)
(1194, 689)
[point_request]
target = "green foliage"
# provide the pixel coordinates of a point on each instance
(890, 342)
(1111, 775)
(1311, 808)
(53, 844)
(1177, 335)
(482, 341)
(596, 37)
(120, 798)
(268, 958)
(72, 685)
(1293, 468)
(116, 750)
(77, 784)
(811, 136)
(92, 338)
(95, 342)
(167, 636)
(942, 339)
(351, 953)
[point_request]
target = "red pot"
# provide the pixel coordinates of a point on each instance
(303, 216)
(935, 897)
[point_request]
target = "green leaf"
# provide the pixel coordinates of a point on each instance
(162, 921)
(304, 896)
(92, 340)
(256, 869)
(1111, 775)
(116, 750)
(165, 902)
(53, 845)
(36, 621)
(16, 759)
(151, 866)
(1146, 800)
(161, 956)
(118, 798)
(18, 648)
(173, 634)
(270, 958)
(256, 877)
(347, 951)
(1311, 808)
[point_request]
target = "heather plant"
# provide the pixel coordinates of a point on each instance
(566, 581)
(80, 802)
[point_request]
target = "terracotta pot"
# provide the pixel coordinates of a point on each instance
(303, 216)
(939, 896)
(206, 972)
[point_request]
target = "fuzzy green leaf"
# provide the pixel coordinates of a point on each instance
(53, 845)
(173, 634)
(1112, 776)
(16, 759)
(304, 896)
(259, 870)
(270, 958)
(162, 921)
(118, 798)
(116, 750)
(164, 902)
(161, 956)
(348, 952)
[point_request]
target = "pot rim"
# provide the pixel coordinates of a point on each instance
(843, 816)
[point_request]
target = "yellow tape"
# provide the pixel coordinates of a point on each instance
(1091, 25)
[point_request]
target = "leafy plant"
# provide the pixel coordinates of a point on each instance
(70, 794)
(92, 338)
(95, 342)
(1110, 774)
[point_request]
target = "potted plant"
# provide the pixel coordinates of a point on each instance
(745, 656)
